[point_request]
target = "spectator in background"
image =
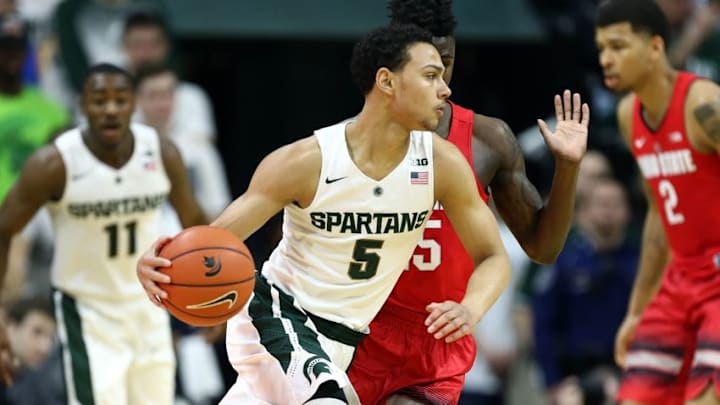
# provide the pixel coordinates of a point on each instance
(591, 279)
(696, 44)
(28, 119)
(87, 32)
(31, 332)
(146, 41)
(486, 382)
(156, 102)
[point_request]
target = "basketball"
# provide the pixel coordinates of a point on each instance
(212, 273)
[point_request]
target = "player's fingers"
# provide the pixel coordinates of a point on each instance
(620, 351)
(459, 333)
(450, 327)
(567, 104)
(436, 309)
(153, 262)
(145, 272)
(558, 108)
(576, 104)
(585, 115)
(159, 243)
(544, 130)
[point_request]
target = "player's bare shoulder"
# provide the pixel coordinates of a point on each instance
(494, 147)
(44, 172)
(450, 166)
(293, 170)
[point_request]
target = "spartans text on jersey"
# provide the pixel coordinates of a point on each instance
(368, 223)
(120, 206)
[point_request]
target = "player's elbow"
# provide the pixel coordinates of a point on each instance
(541, 253)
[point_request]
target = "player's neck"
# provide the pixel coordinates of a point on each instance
(655, 93)
(112, 155)
(375, 124)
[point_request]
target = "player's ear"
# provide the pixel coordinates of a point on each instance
(657, 44)
(384, 80)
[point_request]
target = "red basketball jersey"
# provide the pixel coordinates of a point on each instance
(440, 267)
(684, 182)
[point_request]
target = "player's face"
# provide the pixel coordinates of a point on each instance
(32, 339)
(155, 98)
(420, 89)
(108, 102)
(145, 45)
(626, 56)
(446, 48)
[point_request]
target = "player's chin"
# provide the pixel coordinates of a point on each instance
(431, 124)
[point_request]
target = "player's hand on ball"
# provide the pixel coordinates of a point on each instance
(147, 274)
(449, 320)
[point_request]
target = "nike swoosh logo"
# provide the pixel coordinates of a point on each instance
(328, 180)
(230, 297)
(79, 176)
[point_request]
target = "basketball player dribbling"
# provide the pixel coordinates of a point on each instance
(103, 186)
(430, 370)
(355, 198)
(668, 344)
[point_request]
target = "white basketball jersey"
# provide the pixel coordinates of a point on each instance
(341, 256)
(107, 217)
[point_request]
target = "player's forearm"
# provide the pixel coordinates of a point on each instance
(653, 258)
(486, 283)
(556, 217)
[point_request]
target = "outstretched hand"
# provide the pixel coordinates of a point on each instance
(569, 140)
(149, 276)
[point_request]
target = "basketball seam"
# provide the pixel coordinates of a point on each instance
(214, 285)
(209, 247)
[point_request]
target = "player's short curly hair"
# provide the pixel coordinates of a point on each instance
(386, 46)
(643, 15)
(435, 16)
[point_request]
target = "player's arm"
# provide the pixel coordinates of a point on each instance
(288, 175)
(702, 112)
(654, 252)
(181, 195)
(476, 226)
(541, 229)
(42, 179)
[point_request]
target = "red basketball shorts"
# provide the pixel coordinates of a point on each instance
(400, 357)
(675, 353)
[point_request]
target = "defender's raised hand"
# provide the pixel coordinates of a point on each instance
(569, 140)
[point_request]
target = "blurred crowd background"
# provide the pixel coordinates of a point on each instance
(231, 80)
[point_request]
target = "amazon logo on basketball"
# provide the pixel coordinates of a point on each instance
(212, 264)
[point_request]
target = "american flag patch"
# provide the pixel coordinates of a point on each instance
(418, 177)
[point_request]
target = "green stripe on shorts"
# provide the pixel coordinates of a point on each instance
(79, 360)
(273, 335)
